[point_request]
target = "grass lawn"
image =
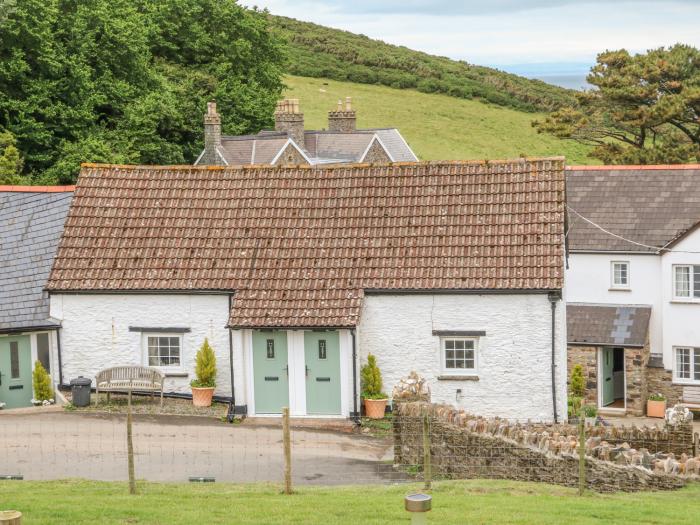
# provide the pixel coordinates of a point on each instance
(472, 502)
(438, 127)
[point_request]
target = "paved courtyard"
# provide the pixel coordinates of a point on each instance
(171, 448)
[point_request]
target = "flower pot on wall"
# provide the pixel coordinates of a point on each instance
(375, 408)
(201, 397)
(656, 408)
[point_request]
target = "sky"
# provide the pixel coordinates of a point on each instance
(523, 36)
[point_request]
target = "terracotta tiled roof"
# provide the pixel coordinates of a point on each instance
(299, 246)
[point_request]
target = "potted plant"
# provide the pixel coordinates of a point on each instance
(590, 413)
(577, 384)
(41, 381)
(656, 405)
(205, 370)
(375, 400)
(574, 407)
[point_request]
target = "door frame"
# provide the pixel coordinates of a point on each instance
(599, 366)
(297, 374)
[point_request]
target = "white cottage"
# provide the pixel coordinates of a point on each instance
(454, 270)
(633, 283)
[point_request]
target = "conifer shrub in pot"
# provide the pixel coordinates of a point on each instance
(205, 370)
(375, 400)
(41, 383)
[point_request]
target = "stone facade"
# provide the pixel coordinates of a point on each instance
(465, 446)
(343, 121)
(212, 137)
(290, 120)
(376, 154)
(636, 360)
(660, 380)
(291, 156)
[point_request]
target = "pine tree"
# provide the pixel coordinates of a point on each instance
(42, 383)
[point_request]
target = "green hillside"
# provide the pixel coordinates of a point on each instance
(438, 127)
(324, 52)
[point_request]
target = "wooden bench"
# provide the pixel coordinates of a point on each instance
(691, 397)
(129, 378)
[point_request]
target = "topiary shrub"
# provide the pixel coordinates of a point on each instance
(42, 383)
(205, 368)
(371, 380)
(577, 385)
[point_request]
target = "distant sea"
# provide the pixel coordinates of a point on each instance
(564, 74)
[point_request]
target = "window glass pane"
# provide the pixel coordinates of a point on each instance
(449, 344)
(14, 360)
(696, 281)
(459, 344)
(682, 281)
(42, 351)
(696, 364)
(321, 349)
(270, 348)
(683, 363)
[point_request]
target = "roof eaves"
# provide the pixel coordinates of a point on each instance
(36, 189)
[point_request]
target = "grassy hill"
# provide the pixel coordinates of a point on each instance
(324, 52)
(438, 127)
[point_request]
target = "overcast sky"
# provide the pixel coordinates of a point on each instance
(507, 32)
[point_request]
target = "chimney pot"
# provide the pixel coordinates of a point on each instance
(290, 120)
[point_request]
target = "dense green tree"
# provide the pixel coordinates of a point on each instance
(645, 110)
(128, 80)
(10, 160)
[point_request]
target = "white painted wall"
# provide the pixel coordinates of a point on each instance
(95, 332)
(589, 279)
(513, 357)
(681, 318)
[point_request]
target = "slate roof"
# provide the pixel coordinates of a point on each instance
(619, 325)
(652, 205)
(31, 222)
(300, 246)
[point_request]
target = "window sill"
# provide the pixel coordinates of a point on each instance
(449, 377)
(677, 382)
(175, 374)
(619, 289)
(684, 301)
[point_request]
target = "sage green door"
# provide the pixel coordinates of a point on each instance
(270, 372)
(15, 371)
(322, 356)
(607, 365)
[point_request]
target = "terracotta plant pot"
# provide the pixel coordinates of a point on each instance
(656, 408)
(375, 408)
(201, 397)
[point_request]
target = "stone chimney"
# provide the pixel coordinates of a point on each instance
(212, 136)
(289, 120)
(342, 119)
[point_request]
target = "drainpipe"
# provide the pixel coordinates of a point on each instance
(356, 416)
(554, 297)
(232, 401)
(60, 361)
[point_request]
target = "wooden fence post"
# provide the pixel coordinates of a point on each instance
(10, 517)
(130, 446)
(696, 444)
(287, 451)
(427, 467)
(581, 453)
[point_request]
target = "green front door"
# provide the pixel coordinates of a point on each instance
(15, 371)
(322, 356)
(607, 376)
(270, 372)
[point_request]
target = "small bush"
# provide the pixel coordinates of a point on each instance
(657, 397)
(578, 384)
(589, 411)
(574, 406)
(205, 368)
(42, 383)
(371, 379)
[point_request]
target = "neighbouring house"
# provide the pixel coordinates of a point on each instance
(291, 144)
(452, 269)
(31, 223)
(633, 283)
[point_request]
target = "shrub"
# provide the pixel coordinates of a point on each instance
(42, 383)
(371, 379)
(578, 384)
(657, 397)
(574, 406)
(589, 411)
(205, 368)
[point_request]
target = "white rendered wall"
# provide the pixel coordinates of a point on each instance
(95, 332)
(681, 317)
(588, 280)
(513, 357)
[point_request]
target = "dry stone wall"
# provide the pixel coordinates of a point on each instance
(466, 446)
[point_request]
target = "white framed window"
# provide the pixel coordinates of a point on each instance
(620, 274)
(686, 281)
(686, 367)
(459, 355)
(163, 350)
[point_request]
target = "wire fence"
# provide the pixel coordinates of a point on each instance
(418, 447)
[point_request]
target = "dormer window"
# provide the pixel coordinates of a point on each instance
(620, 275)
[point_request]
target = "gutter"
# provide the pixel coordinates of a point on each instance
(553, 299)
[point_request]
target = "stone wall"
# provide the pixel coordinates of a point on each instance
(376, 154)
(660, 380)
(587, 357)
(465, 446)
(291, 157)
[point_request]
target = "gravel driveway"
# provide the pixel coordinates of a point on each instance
(170, 448)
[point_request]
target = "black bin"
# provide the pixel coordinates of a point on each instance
(80, 390)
